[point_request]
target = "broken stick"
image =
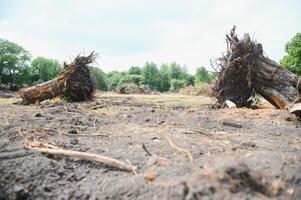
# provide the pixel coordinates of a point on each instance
(180, 149)
(41, 147)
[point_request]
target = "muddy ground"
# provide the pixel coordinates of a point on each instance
(237, 153)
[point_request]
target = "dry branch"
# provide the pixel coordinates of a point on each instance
(74, 83)
(56, 151)
(180, 149)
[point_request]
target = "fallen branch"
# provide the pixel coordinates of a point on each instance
(83, 135)
(56, 151)
(196, 131)
(180, 149)
(232, 124)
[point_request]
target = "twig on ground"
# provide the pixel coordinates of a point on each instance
(146, 150)
(6, 121)
(196, 131)
(232, 124)
(180, 149)
(56, 151)
(83, 135)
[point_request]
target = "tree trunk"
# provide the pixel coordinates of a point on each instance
(244, 70)
(74, 83)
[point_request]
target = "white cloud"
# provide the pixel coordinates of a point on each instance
(131, 32)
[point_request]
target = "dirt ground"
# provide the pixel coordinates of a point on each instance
(236, 153)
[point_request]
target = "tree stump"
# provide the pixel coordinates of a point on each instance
(244, 70)
(74, 83)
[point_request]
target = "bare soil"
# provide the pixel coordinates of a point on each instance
(237, 153)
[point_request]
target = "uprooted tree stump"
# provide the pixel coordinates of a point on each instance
(74, 83)
(244, 70)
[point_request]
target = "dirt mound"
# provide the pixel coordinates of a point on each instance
(131, 88)
(201, 89)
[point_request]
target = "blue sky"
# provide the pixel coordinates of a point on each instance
(131, 32)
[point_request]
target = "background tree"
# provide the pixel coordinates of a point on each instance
(176, 85)
(131, 78)
(44, 69)
(14, 61)
(292, 61)
(151, 75)
(176, 71)
(114, 78)
(202, 75)
(164, 78)
(135, 70)
(99, 78)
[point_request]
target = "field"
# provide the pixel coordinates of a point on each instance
(183, 149)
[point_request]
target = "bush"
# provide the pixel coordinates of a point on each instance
(131, 88)
(203, 89)
(176, 85)
(133, 78)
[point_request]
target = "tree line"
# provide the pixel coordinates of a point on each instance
(17, 68)
(167, 77)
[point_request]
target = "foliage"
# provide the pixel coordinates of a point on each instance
(150, 73)
(99, 78)
(132, 78)
(113, 80)
(176, 85)
(13, 63)
(135, 70)
(292, 61)
(15, 68)
(202, 75)
(44, 69)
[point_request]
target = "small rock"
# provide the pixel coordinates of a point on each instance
(38, 115)
(150, 176)
(230, 104)
(72, 131)
(74, 141)
(161, 122)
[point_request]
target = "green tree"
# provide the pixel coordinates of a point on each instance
(176, 85)
(114, 78)
(135, 70)
(176, 71)
(202, 75)
(164, 78)
(99, 78)
(292, 61)
(44, 69)
(132, 78)
(14, 61)
(151, 75)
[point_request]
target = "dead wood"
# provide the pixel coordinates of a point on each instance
(180, 149)
(56, 151)
(232, 124)
(244, 70)
(146, 150)
(74, 83)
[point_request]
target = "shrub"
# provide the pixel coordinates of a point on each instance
(176, 85)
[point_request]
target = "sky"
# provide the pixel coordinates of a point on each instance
(131, 32)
